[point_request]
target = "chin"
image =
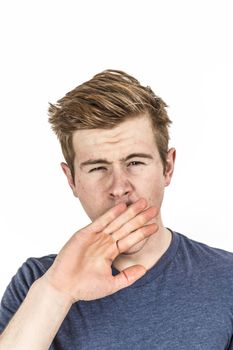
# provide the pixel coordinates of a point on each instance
(136, 248)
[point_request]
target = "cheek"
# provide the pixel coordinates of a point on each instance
(85, 189)
(94, 189)
(152, 187)
(91, 197)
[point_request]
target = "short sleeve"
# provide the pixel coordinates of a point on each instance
(18, 288)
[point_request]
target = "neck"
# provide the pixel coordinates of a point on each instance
(152, 250)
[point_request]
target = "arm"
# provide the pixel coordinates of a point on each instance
(38, 319)
(87, 256)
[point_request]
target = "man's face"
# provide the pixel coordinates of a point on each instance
(121, 164)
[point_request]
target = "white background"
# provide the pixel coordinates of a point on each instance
(182, 49)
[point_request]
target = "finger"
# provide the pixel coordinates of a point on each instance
(135, 223)
(104, 220)
(128, 276)
(127, 215)
(136, 237)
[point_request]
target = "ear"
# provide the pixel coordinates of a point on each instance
(69, 177)
(171, 157)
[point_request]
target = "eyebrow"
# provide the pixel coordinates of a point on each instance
(104, 161)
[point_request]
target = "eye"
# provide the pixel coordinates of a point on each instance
(97, 169)
(135, 163)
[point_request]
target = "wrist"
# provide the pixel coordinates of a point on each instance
(49, 290)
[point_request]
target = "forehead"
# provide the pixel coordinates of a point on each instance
(134, 134)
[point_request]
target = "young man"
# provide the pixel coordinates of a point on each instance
(124, 281)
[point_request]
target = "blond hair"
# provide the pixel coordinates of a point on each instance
(105, 101)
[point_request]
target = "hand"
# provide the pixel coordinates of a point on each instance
(82, 269)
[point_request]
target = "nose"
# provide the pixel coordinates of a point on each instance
(120, 186)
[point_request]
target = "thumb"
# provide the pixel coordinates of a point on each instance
(128, 276)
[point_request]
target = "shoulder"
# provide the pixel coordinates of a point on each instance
(31, 270)
(16, 291)
(205, 257)
(206, 251)
(38, 266)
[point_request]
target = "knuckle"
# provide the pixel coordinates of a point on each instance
(133, 210)
(105, 231)
(141, 235)
(125, 229)
(111, 215)
(141, 219)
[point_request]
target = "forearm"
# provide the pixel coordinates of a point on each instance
(38, 319)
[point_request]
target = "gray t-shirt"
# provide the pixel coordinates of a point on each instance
(184, 302)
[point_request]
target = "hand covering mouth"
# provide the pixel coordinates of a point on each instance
(127, 202)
